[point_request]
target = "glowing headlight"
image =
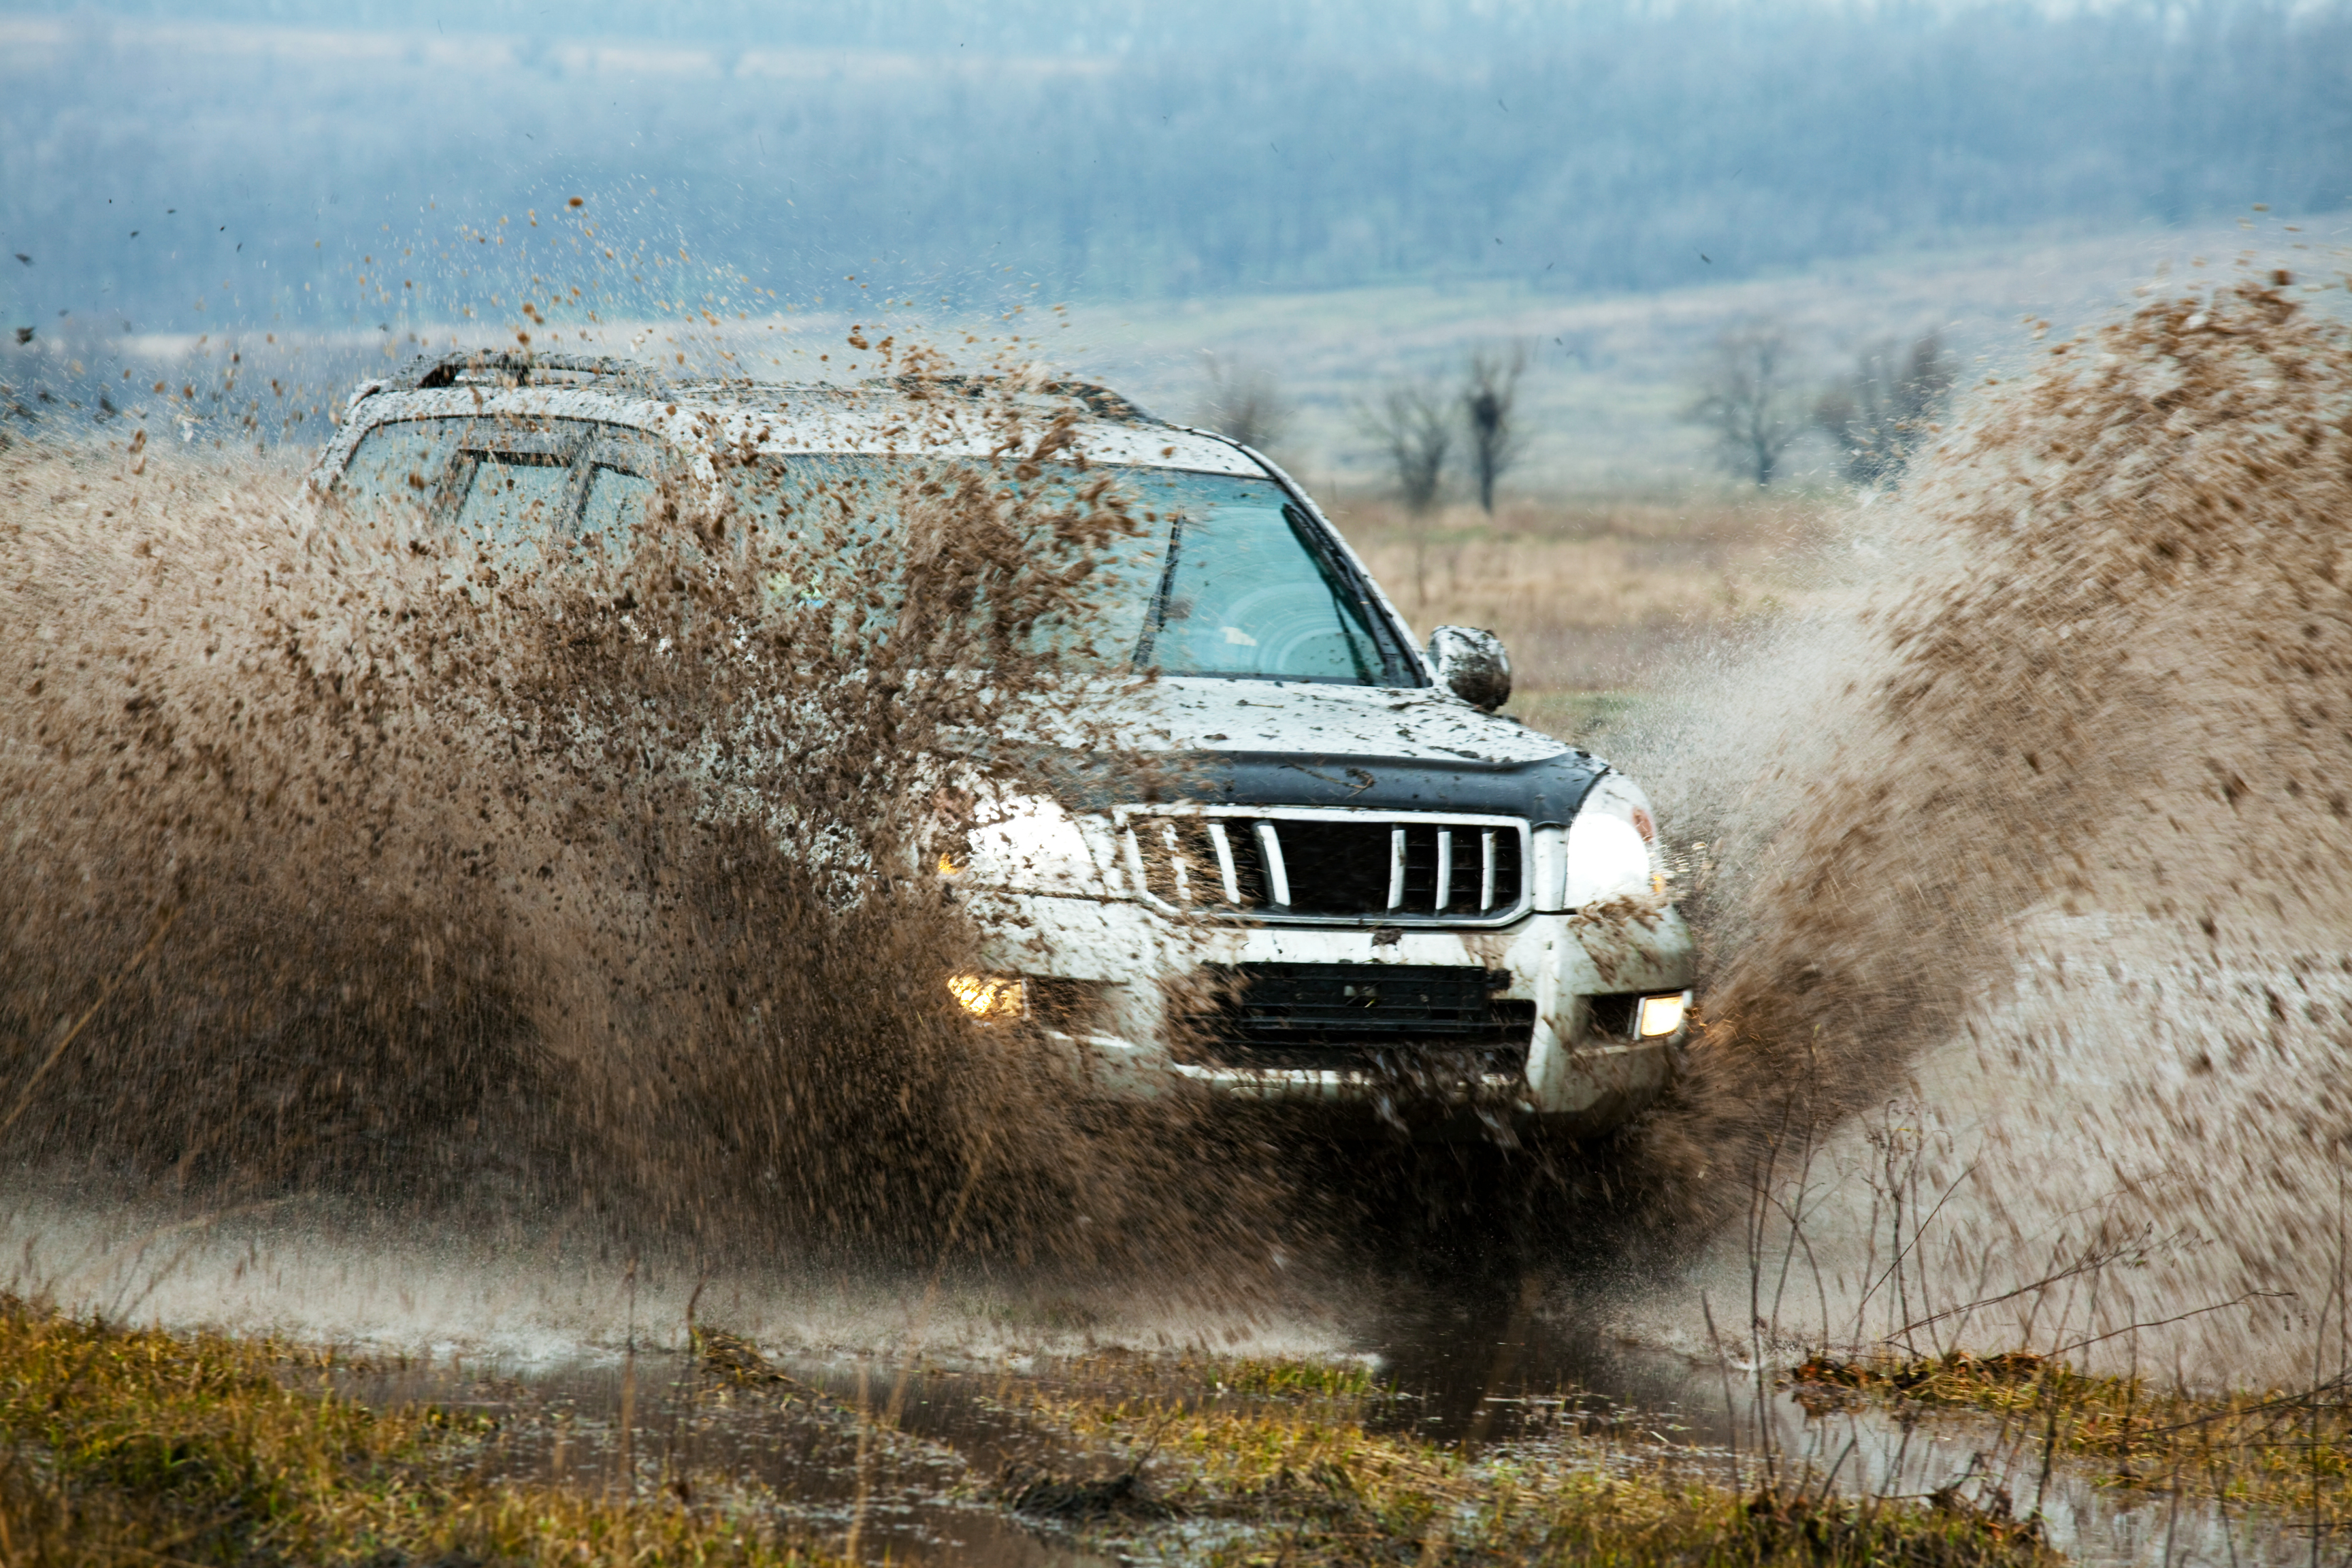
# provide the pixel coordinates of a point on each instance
(991, 998)
(1607, 859)
(1026, 843)
(1661, 1014)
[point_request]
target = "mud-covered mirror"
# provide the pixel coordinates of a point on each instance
(1473, 665)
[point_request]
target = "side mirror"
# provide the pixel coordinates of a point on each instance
(1473, 665)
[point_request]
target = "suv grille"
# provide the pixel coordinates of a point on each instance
(1332, 865)
(1360, 1017)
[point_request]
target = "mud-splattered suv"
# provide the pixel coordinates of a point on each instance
(1369, 897)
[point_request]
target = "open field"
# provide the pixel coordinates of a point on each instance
(1589, 595)
(1611, 373)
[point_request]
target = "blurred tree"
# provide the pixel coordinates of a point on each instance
(1490, 395)
(1878, 414)
(1415, 436)
(1747, 397)
(1414, 429)
(1244, 401)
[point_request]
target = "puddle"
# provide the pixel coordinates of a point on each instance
(1489, 1375)
(909, 1491)
(904, 1461)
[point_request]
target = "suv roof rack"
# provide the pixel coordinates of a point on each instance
(1100, 400)
(510, 369)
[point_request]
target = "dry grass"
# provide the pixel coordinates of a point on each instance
(1587, 594)
(130, 1446)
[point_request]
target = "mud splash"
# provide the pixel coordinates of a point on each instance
(337, 868)
(338, 862)
(2030, 1014)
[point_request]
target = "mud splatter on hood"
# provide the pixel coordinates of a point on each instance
(1263, 743)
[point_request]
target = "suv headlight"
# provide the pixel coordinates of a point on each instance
(1613, 846)
(1027, 844)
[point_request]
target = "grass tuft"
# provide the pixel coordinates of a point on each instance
(2284, 1452)
(1296, 1379)
(132, 1445)
(1307, 1483)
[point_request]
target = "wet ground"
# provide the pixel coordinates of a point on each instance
(903, 1463)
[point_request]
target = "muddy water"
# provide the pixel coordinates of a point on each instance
(823, 1451)
(2027, 877)
(904, 1456)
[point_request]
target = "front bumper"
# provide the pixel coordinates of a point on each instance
(1575, 1079)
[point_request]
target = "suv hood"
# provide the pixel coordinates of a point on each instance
(1262, 742)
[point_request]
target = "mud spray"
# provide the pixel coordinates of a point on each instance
(2031, 1012)
(345, 875)
(408, 883)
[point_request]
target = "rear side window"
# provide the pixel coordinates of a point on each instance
(624, 471)
(516, 500)
(394, 474)
(514, 486)
(504, 484)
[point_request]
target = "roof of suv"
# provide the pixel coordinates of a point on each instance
(949, 415)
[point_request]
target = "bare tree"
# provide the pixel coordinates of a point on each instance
(1244, 401)
(1880, 411)
(1414, 428)
(1415, 433)
(1749, 397)
(1490, 395)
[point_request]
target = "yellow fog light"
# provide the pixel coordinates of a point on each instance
(1659, 1015)
(990, 997)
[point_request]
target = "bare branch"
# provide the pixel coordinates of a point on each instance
(1244, 401)
(1748, 397)
(1415, 436)
(1880, 413)
(1490, 395)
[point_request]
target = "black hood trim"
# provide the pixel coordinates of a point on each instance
(1547, 791)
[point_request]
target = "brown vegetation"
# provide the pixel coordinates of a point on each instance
(1587, 594)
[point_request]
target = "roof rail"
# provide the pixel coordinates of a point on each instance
(510, 369)
(1100, 400)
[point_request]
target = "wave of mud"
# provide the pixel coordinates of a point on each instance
(337, 862)
(333, 867)
(2030, 1017)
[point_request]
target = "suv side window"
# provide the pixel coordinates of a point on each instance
(506, 485)
(395, 472)
(514, 485)
(624, 469)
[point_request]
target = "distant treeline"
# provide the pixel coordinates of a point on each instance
(1117, 149)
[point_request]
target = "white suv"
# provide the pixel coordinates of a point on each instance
(1371, 897)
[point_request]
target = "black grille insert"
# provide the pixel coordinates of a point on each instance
(1360, 1017)
(1333, 868)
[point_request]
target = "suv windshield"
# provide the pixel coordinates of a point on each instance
(1227, 576)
